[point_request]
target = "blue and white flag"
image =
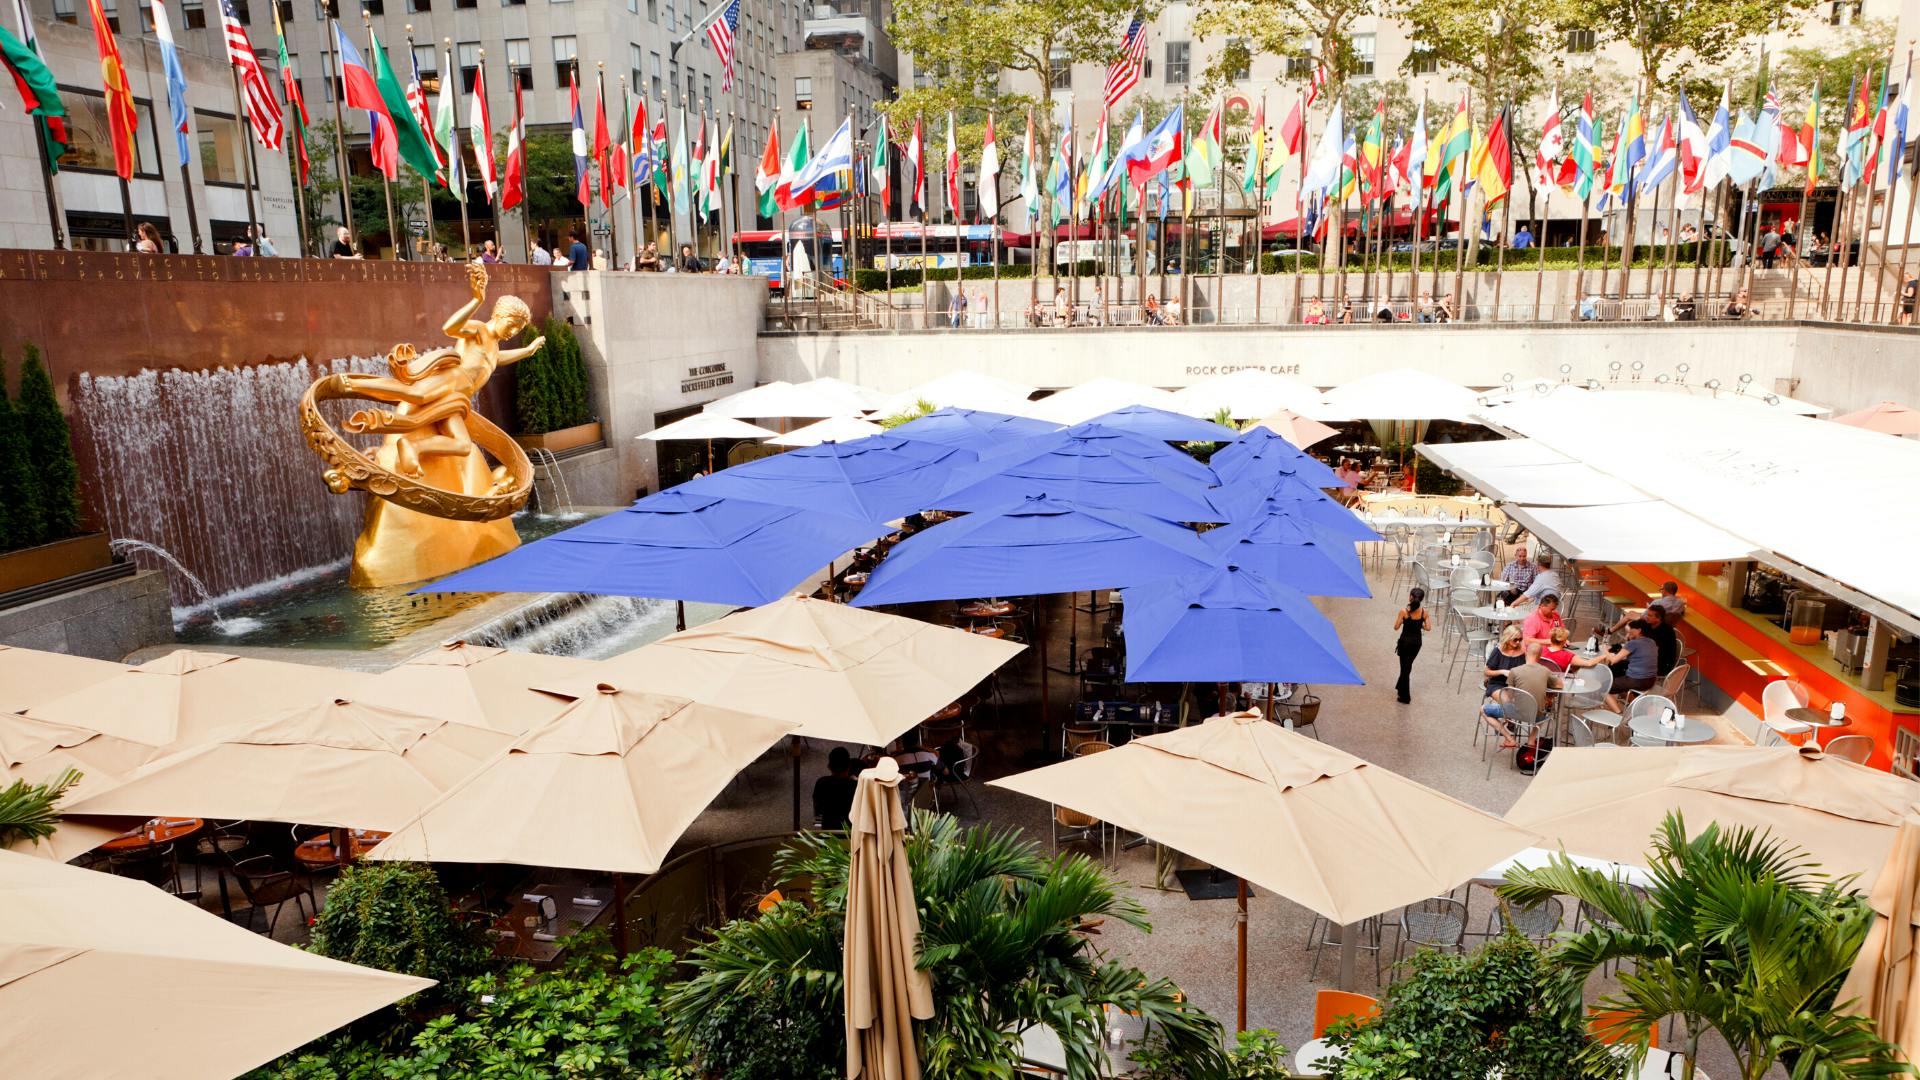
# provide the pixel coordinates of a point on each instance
(1719, 144)
(1132, 147)
(1897, 129)
(1323, 170)
(833, 159)
(176, 76)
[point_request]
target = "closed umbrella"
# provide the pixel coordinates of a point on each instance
(1246, 394)
(839, 429)
(1162, 425)
(963, 390)
(609, 785)
(477, 685)
(885, 989)
(1340, 836)
(29, 677)
(1096, 396)
(1297, 429)
(108, 976)
(876, 479)
(1889, 417)
(783, 399)
(1228, 624)
(1094, 468)
(1260, 454)
(1608, 802)
(1881, 984)
(676, 545)
(344, 764)
(706, 427)
(1289, 550)
(977, 430)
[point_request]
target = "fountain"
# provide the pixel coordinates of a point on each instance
(228, 627)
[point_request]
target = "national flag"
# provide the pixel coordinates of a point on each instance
(1394, 177)
(1493, 165)
(681, 182)
(1791, 152)
(721, 32)
(1373, 148)
(1608, 183)
(513, 189)
(1663, 162)
(1318, 84)
(416, 107)
(710, 169)
(1633, 149)
(1203, 162)
(836, 157)
(658, 139)
(263, 110)
(415, 148)
(1250, 165)
(176, 77)
(480, 134)
(1130, 145)
(1062, 172)
(1878, 126)
(1552, 143)
(1749, 156)
(766, 174)
(1766, 133)
(39, 92)
(953, 170)
(987, 187)
(602, 144)
(1719, 145)
(1693, 149)
(1897, 127)
(879, 164)
(639, 143)
(123, 119)
(582, 184)
(1858, 131)
(917, 164)
(1349, 169)
(1029, 171)
(1124, 75)
(361, 92)
(1095, 168)
(1162, 150)
(1293, 130)
(1811, 135)
(1417, 158)
(446, 124)
(1323, 170)
(1456, 142)
(289, 88)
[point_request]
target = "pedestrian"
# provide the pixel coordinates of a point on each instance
(1769, 247)
(1523, 239)
(1908, 291)
(262, 246)
(689, 262)
(489, 254)
(957, 309)
(1410, 623)
(242, 248)
(148, 242)
(578, 257)
(342, 246)
(539, 256)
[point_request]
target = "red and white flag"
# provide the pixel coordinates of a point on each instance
(953, 171)
(1318, 84)
(1553, 145)
(480, 133)
(514, 188)
(263, 110)
(1124, 75)
(916, 158)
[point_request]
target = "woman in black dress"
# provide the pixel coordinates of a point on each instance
(1410, 623)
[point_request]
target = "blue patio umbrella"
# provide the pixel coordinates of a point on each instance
(1096, 468)
(984, 433)
(1312, 507)
(1228, 624)
(878, 478)
(1162, 425)
(1033, 545)
(1260, 452)
(1286, 548)
(675, 546)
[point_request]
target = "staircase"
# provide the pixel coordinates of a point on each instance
(833, 309)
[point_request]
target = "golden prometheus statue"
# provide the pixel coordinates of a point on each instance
(440, 505)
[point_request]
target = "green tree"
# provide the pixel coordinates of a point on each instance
(1833, 66)
(1737, 934)
(396, 917)
(1494, 46)
(21, 523)
(1318, 31)
(1001, 934)
(27, 810)
(1670, 39)
(49, 450)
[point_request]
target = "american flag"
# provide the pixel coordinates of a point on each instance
(1124, 75)
(720, 32)
(1319, 82)
(417, 105)
(263, 111)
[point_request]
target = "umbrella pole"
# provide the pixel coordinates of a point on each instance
(619, 915)
(1240, 926)
(1273, 711)
(1046, 722)
(1347, 955)
(679, 615)
(794, 751)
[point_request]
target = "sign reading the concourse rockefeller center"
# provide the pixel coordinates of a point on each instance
(705, 377)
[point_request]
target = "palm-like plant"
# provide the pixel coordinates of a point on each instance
(27, 810)
(1738, 934)
(1005, 932)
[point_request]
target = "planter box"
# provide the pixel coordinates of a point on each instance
(32, 566)
(563, 439)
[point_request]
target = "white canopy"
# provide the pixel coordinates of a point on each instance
(1831, 498)
(961, 390)
(1627, 532)
(1462, 457)
(1400, 394)
(786, 399)
(836, 429)
(1249, 394)
(1099, 397)
(867, 396)
(705, 425)
(1565, 483)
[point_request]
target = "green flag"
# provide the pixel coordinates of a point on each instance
(799, 152)
(38, 93)
(879, 167)
(414, 148)
(682, 194)
(446, 128)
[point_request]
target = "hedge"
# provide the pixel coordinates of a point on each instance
(551, 387)
(39, 477)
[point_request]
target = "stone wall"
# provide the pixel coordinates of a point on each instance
(107, 621)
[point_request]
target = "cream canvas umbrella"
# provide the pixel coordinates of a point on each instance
(1339, 836)
(706, 426)
(1608, 802)
(478, 685)
(783, 399)
(868, 398)
(24, 740)
(102, 976)
(73, 838)
(29, 677)
(960, 390)
(1881, 984)
(1889, 417)
(344, 764)
(609, 785)
(885, 989)
(1098, 397)
(1297, 429)
(1247, 394)
(189, 696)
(832, 429)
(1400, 394)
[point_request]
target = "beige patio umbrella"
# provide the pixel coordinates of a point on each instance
(1889, 417)
(478, 685)
(107, 976)
(840, 673)
(1608, 802)
(189, 696)
(1881, 984)
(1297, 429)
(73, 838)
(885, 989)
(29, 677)
(1327, 830)
(341, 763)
(24, 739)
(609, 785)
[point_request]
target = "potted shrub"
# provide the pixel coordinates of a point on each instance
(552, 394)
(40, 537)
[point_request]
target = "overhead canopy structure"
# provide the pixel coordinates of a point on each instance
(978, 430)
(960, 390)
(867, 397)
(785, 399)
(1797, 491)
(1296, 429)
(705, 425)
(1152, 423)
(1097, 396)
(109, 976)
(875, 479)
(29, 677)
(1400, 394)
(1248, 394)
(478, 685)
(1094, 466)
(1228, 624)
(1644, 531)
(838, 429)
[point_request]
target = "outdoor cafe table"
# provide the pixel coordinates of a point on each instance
(987, 609)
(1494, 614)
(1817, 719)
(1688, 730)
(319, 852)
(156, 831)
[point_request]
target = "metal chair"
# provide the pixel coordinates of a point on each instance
(1594, 702)
(956, 768)
(1367, 939)
(1474, 641)
(1536, 923)
(1521, 711)
(1436, 923)
(155, 864)
(1072, 736)
(1074, 827)
(262, 884)
(1854, 748)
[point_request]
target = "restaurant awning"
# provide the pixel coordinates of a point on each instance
(1566, 483)
(1627, 532)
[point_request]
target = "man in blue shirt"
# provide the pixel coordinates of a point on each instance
(577, 255)
(1523, 239)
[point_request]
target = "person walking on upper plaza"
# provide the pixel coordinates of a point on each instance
(342, 245)
(1769, 247)
(689, 263)
(262, 245)
(578, 257)
(1411, 622)
(539, 256)
(147, 239)
(957, 309)
(1908, 291)
(1522, 238)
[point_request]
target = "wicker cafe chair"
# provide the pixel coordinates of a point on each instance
(1436, 923)
(1536, 923)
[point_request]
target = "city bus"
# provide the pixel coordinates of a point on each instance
(900, 241)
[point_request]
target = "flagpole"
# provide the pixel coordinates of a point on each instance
(926, 220)
(1842, 207)
(1220, 215)
(1906, 239)
(386, 185)
(993, 226)
(1653, 253)
(186, 180)
(453, 148)
(1259, 214)
(1886, 234)
(1460, 249)
(730, 194)
(1800, 242)
(1299, 209)
(336, 91)
(633, 183)
(240, 116)
(1506, 215)
(426, 183)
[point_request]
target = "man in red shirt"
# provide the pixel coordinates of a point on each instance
(1543, 621)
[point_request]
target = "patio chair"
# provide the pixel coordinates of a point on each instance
(263, 884)
(1521, 711)
(1854, 748)
(1296, 707)
(1580, 733)
(1072, 736)
(1536, 923)
(1590, 707)
(1474, 642)
(1674, 683)
(1074, 827)
(956, 769)
(1367, 939)
(1439, 922)
(1332, 1005)
(156, 864)
(1775, 699)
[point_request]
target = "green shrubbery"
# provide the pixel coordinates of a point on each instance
(395, 916)
(39, 478)
(551, 389)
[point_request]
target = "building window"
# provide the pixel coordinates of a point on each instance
(1843, 12)
(1363, 47)
(802, 92)
(112, 11)
(374, 7)
(146, 18)
(419, 5)
(1062, 69)
(63, 10)
(691, 89)
(195, 12)
(221, 147)
(90, 145)
(1241, 48)
(1421, 60)
(245, 13)
(1580, 41)
(672, 19)
(653, 76)
(520, 62)
(466, 3)
(653, 11)
(1178, 53)
(673, 77)
(426, 60)
(326, 74)
(566, 57)
(286, 10)
(706, 88)
(468, 53)
(637, 67)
